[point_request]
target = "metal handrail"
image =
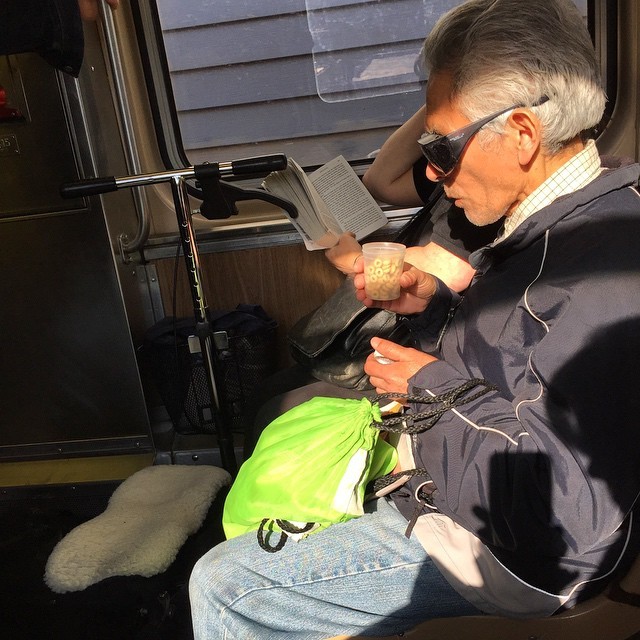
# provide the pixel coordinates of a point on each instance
(127, 131)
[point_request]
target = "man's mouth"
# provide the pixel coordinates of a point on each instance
(453, 199)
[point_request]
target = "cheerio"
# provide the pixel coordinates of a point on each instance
(383, 263)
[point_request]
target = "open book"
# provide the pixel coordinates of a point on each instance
(330, 201)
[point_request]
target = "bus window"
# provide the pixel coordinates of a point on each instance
(308, 78)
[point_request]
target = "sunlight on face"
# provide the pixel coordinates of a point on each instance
(486, 183)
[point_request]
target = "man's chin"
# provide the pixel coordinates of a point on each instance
(470, 215)
(478, 219)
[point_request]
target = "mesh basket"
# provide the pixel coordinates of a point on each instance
(245, 353)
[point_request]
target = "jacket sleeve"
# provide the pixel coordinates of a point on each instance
(552, 468)
(428, 326)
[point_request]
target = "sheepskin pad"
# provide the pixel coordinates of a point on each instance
(147, 520)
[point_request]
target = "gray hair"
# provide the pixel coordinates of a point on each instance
(502, 52)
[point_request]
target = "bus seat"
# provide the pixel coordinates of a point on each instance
(611, 615)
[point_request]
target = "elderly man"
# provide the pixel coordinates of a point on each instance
(529, 502)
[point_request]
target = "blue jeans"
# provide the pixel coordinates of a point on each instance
(362, 577)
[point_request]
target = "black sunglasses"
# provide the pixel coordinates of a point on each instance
(443, 152)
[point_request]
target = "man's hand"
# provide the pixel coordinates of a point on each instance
(345, 255)
(394, 376)
(417, 289)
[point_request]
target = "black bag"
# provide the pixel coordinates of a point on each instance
(247, 357)
(332, 341)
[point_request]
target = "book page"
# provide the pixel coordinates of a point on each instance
(353, 207)
(314, 222)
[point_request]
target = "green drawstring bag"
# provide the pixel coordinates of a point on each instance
(309, 470)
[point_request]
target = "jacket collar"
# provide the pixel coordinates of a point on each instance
(609, 181)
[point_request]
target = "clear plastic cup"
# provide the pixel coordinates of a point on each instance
(383, 263)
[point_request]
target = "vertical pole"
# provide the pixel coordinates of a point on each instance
(203, 326)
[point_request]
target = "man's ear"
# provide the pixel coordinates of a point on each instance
(527, 129)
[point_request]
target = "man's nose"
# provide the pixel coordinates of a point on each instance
(432, 174)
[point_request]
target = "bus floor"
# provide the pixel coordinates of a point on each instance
(118, 608)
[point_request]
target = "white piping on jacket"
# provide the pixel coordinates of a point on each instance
(526, 291)
(542, 322)
(480, 428)
(546, 327)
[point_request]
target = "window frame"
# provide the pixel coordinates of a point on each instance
(602, 18)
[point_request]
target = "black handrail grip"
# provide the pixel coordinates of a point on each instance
(89, 187)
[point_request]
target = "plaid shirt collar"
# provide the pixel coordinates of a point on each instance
(574, 174)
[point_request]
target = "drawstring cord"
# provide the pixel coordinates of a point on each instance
(424, 420)
(417, 423)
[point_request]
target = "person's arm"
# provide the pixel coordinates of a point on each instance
(548, 437)
(455, 272)
(390, 177)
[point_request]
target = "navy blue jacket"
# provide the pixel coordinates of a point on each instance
(545, 470)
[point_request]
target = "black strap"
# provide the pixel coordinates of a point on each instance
(286, 526)
(424, 492)
(385, 481)
(424, 420)
(413, 230)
